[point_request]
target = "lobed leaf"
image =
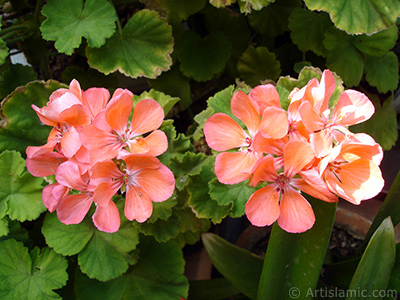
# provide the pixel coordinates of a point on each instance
(175, 84)
(382, 72)
(178, 144)
(20, 127)
(199, 197)
(359, 16)
(32, 275)
(142, 48)
(166, 101)
(307, 30)
(246, 6)
(189, 165)
(15, 76)
(201, 59)
(236, 194)
(165, 260)
(257, 65)
(272, 20)
(343, 57)
(70, 20)
(382, 126)
(20, 192)
(179, 10)
(101, 255)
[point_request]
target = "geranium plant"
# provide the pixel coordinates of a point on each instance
(130, 130)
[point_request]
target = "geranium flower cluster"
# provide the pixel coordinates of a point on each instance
(97, 149)
(307, 148)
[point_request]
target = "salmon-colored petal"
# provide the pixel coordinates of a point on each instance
(296, 155)
(70, 142)
(95, 99)
(52, 194)
(223, 133)
(356, 181)
(265, 96)
(274, 123)
(352, 151)
(321, 142)
(262, 209)
(104, 191)
(147, 116)
(157, 142)
(68, 174)
(76, 115)
(312, 184)
(138, 146)
(102, 145)
(264, 171)
(47, 120)
(75, 87)
(246, 110)
(232, 168)
(138, 205)
(73, 208)
(106, 218)
(269, 145)
(137, 162)
(42, 161)
(310, 118)
(158, 183)
(117, 113)
(323, 92)
(296, 213)
(353, 107)
(106, 170)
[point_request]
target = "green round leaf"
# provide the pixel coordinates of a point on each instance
(273, 19)
(382, 72)
(200, 58)
(70, 20)
(257, 65)
(17, 75)
(179, 10)
(359, 16)
(307, 30)
(166, 101)
(221, 3)
(343, 57)
(382, 126)
(20, 192)
(21, 126)
(377, 44)
(158, 275)
(142, 48)
(66, 239)
(175, 84)
(199, 197)
(236, 194)
(246, 6)
(31, 277)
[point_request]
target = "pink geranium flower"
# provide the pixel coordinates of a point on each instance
(144, 179)
(281, 200)
(112, 134)
(352, 170)
(222, 133)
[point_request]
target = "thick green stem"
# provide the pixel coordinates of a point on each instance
(293, 262)
(12, 29)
